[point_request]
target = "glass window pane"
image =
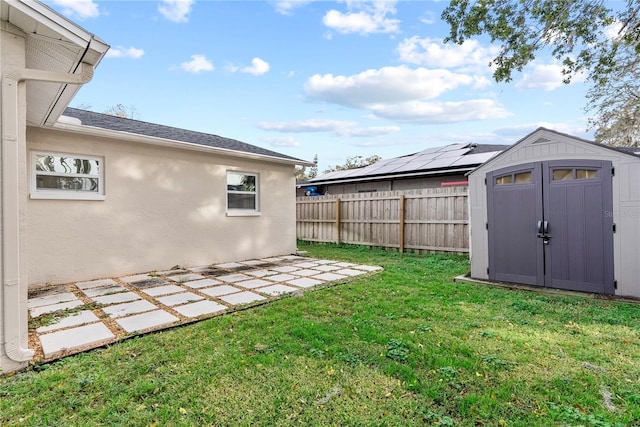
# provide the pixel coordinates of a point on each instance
(586, 174)
(52, 182)
(562, 174)
(67, 165)
(241, 201)
(523, 177)
(506, 179)
(241, 182)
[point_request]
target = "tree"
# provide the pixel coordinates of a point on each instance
(119, 110)
(353, 162)
(577, 32)
(301, 171)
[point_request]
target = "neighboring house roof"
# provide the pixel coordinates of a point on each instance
(453, 158)
(124, 126)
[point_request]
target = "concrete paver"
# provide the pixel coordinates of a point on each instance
(200, 308)
(156, 300)
(70, 339)
(151, 319)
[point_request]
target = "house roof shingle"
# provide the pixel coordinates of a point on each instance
(121, 124)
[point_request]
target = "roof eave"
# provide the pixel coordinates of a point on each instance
(163, 142)
(392, 176)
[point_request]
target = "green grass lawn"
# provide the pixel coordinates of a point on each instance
(406, 346)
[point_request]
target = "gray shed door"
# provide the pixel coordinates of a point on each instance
(550, 224)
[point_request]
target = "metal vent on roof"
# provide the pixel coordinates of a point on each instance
(541, 140)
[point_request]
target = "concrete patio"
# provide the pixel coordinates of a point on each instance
(75, 317)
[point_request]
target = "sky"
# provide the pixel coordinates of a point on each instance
(306, 78)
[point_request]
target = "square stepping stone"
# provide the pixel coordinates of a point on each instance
(344, 264)
(285, 269)
(261, 273)
(205, 268)
(281, 277)
(103, 290)
(305, 272)
(252, 284)
(163, 290)
(116, 298)
(275, 290)
(39, 311)
(253, 262)
(350, 272)
(272, 259)
(54, 298)
(149, 283)
(200, 308)
(229, 265)
(70, 339)
(186, 277)
(329, 276)
(204, 283)
(75, 319)
(305, 282)
(242, 298)
(136, 278)
(152, 319)
(324, 261)
(292, 257)
(177, 299)
(100, 283)
(232, 278)
(306, 264)
(128, 308)
(216, 291)
(326, 268)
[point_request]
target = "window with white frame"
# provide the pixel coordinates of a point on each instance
(242, 193)
(66, 176)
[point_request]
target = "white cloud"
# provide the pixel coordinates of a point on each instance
(367, 18)
(122, 52)
(198, 64)
(283, 141)
(545, 76)
(428, 18)
(287, 7)
(434, 53)
(420, 112)
(386, 85)
(176, 10)
(369, 131)
(517, 132)
(81, 9)
(258, 67)
(311, 125)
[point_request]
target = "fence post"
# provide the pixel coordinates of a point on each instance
(338, 220)
(401, 225)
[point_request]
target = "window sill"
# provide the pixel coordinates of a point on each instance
(66, 196)
(243, 213)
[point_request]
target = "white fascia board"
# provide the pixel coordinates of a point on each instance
(56, 22)
(162, 142)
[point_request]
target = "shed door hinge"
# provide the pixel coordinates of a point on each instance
(485, 181)
(487, 271)
(614, 228)
(613, 171)
(486, 225)
(615, 284)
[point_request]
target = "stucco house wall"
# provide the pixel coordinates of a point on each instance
(163, 207)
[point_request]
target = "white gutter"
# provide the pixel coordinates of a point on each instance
(12, 143)
(162, 142)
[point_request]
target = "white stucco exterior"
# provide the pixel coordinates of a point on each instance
(545, 145)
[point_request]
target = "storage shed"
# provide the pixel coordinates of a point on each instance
(560, 212)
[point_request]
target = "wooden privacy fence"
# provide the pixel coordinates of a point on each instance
(423, 220)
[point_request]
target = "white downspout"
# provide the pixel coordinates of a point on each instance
(11, 146)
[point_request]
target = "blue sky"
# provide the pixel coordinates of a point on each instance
(335, 79)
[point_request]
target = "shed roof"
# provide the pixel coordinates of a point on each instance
(137, 127)
(452, 158)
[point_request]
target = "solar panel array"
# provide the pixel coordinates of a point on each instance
(454, 156)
